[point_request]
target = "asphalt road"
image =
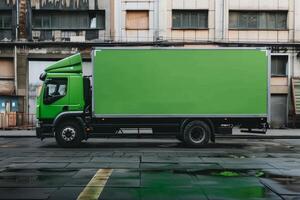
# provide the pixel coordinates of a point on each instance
(149, 169)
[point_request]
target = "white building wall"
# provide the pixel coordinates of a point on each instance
(160, 21)
(105, 5)
(295, 71)
(260, 35)
(296, 18)
(124, 35)
(294, 25)
(74, 35)
(186, 35)
(220, 19)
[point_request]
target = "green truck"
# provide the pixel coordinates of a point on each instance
(190, 94)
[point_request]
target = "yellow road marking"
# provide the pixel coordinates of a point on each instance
(96, 185)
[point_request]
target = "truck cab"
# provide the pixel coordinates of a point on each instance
(62, 94)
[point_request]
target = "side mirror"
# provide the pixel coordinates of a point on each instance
(43, 76)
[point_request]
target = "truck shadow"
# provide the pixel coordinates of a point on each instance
(150, 144)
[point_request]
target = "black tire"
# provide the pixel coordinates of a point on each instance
(68, 134)
(196, 133)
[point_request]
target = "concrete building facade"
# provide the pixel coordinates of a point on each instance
(42, 31)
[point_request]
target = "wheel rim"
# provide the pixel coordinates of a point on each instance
(197, 135)
(68, 134)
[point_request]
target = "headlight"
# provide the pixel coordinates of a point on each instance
(37, 124)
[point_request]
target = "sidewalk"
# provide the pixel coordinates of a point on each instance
(236, 132)
(17, 133)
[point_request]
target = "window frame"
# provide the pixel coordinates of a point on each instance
(258, 12)
(47, 99)
(286, 67)
(138, 29)
(87, 14)
(8, 14)
(191, 10)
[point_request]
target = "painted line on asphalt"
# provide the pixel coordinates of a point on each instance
(96, 185)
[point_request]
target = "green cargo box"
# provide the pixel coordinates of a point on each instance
(181, 82)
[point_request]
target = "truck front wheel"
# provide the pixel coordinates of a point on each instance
(196, 133)
(68, 134)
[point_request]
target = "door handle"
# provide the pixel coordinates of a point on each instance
(65, 108)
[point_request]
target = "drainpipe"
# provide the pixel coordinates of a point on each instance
(156, 14)
(112, 21)
(294, 40)
(15, 49)
(219, 19)
(223, 20)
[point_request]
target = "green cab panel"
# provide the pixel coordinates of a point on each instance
(65, 80)
(71, 64)
(51, 110)
(72, 101)
(76, 94)
(180, 82)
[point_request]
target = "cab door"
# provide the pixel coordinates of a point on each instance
(55, 97)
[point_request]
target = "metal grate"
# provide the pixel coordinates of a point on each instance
(296, 95)
(46, 35)
(5, 35)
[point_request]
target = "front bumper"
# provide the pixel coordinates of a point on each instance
(44, 130)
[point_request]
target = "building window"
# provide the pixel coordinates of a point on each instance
(265, 20)
(189, 19)
(279, 65)
(137, 19)
(68, 20)
(5, 20)
(5, 25)
(91, 34)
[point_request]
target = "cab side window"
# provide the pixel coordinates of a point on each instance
(55, 89)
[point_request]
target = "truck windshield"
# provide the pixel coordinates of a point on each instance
(55, 89)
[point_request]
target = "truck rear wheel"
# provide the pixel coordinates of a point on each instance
(196, 133)
(68, 134)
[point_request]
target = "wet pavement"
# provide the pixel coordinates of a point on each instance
(150, 169)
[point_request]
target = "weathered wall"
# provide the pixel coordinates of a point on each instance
(73, 35)
(262, 35)
(22, 74)
(8, 7)
(6, 76)
(165, 20)
(60, 4)
(296, 19)
(125, 35)
(7, 4)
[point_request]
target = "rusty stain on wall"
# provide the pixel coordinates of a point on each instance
(7, 87)
(22, 22)
(6, 77)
